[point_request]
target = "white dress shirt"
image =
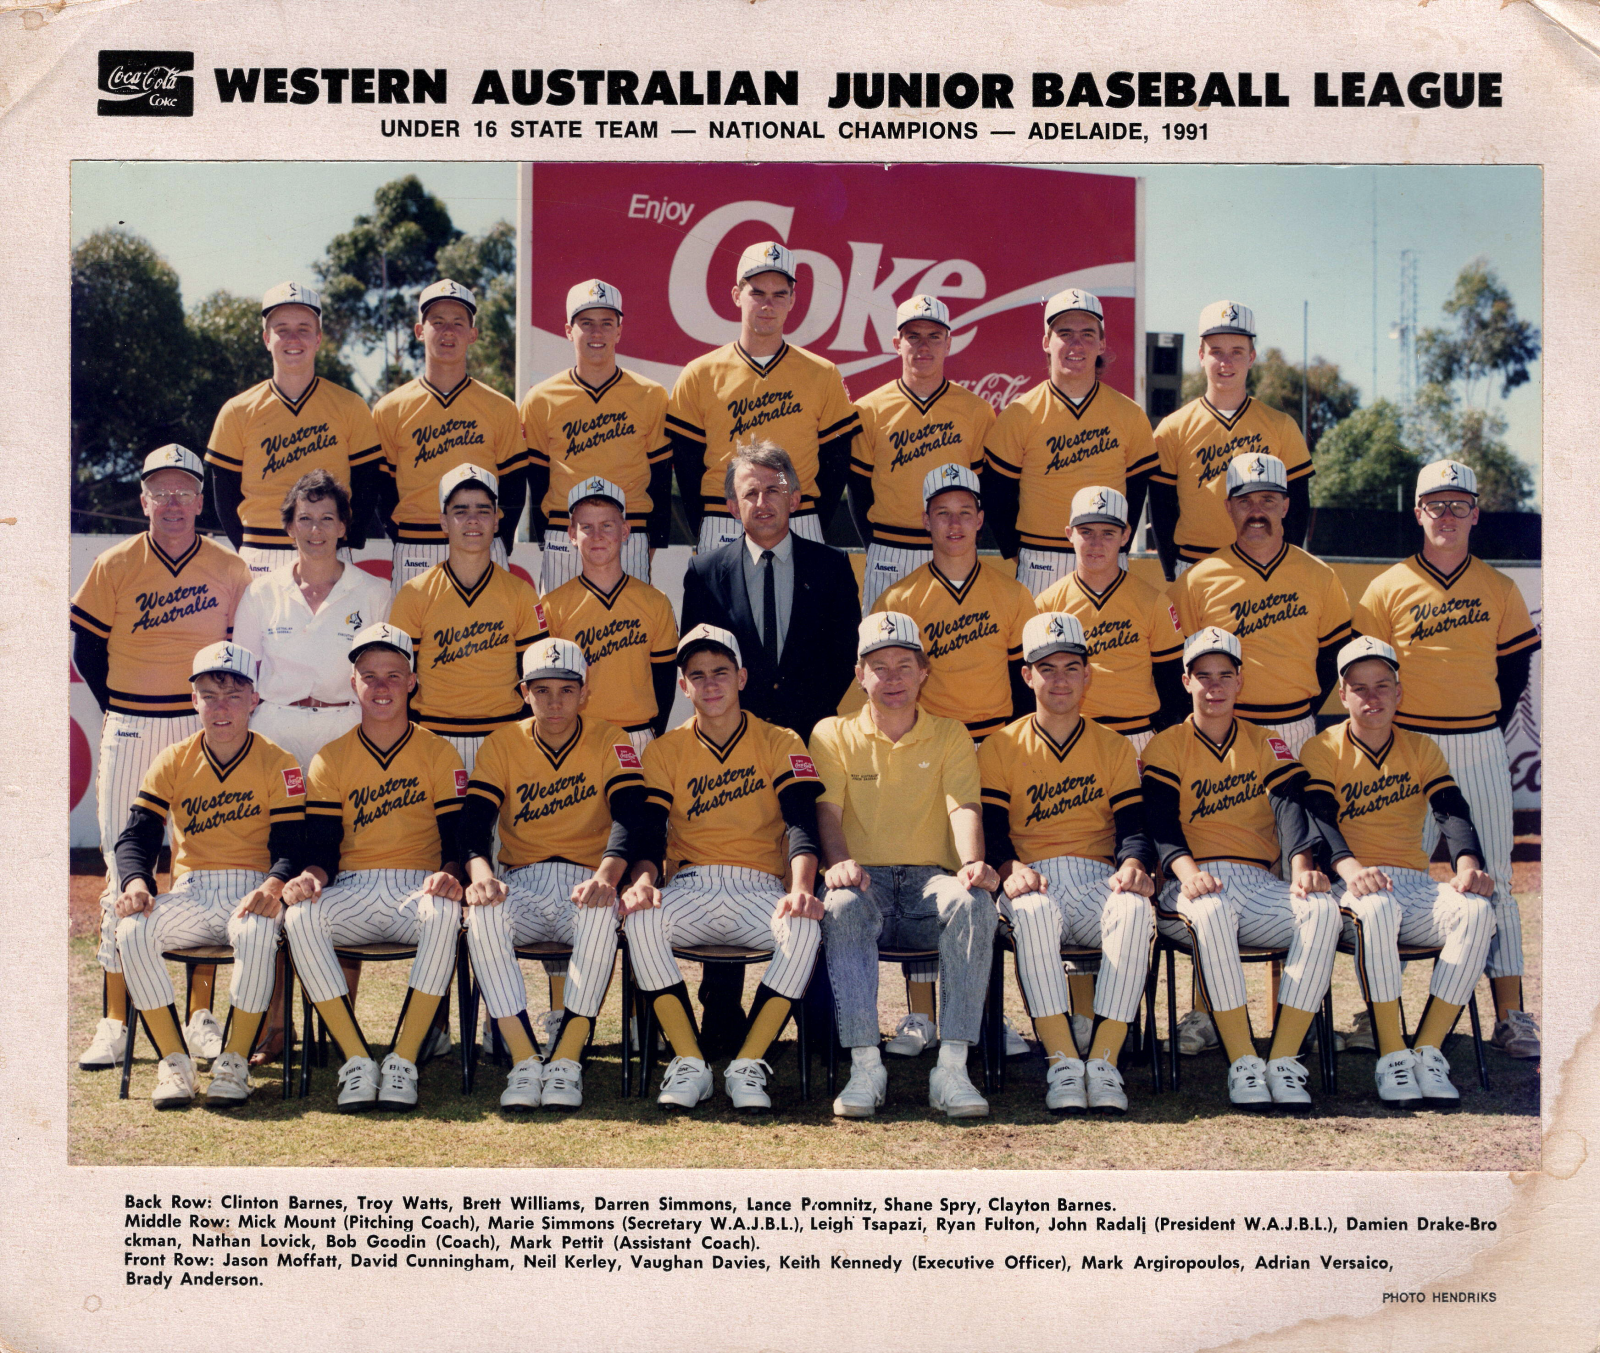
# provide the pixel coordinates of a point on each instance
(782, 581)
(304, 654)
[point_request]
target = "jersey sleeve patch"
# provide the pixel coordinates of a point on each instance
(1173, 612)
(294, 781)
(804, 767)
(1280, 749)
(627, 756)
(461, 783)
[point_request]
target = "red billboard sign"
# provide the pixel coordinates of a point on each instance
(994, 242)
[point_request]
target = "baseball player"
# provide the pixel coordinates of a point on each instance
(1066, 433)
(235, 803)
(1063, 822)
(902, 833)
(469, 619)
(564, 789)
(270, 435)
(1465, 642)
(723, 791)
(1374, 784)
(624, 626)
(595, 419)
(383, 813)
(760, 386)
(438, 422)
(148, 605)
(1224, 801)
(1196, 444)
(904, 424)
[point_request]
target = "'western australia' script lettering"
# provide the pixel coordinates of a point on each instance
(1383, 792)
(375, 802)
(1453, 613)
(462, 641)
(715, 791)
(541, 800)
(450, 435)
(914, 443)
(584, 434)
(946, 636)
(162, 608)
(767, 407)
(291, 447)
(601, 641)
(1080, 446)
(213, 810)
(1214, 459)
(1272, 609)
(1053, 799)
(1216, 796)
(1109, 634)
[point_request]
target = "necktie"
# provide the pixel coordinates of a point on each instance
(769, 608)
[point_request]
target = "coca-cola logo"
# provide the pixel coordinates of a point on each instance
(146, 84)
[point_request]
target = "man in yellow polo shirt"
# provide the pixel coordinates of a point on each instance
(902, 835)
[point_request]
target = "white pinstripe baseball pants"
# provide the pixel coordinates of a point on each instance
(715, 532)
(886, 565)
(368, 906)
(410, 561)
(722, 904)
(1482, 770)
(540, 907)
(560, 562)
(1139, 741)
(1079, 907)
(1296, 733)
(467, 749)
(199, 910)
(264, 561)
(1257, 910)
(129, 745)
(1417, 911)
(1039, 569)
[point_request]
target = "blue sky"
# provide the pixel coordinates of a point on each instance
(1270, 236)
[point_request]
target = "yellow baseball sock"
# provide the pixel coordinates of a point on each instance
(1386, 1027)
(1291, 1032)
(414, 1028)
(116, 995)
(1197, 998)
(574, 1034)
(672, 1009)
(1233, 1028)
(341, 1023)
(1106, 1041)
(163, 1026)
(242, 1031)
(1437, 1021)
(919, 998)
(767, 1015)
(1507, 995)
(201, 986)
(1081, 987)
(558, 990)
(519, 1041)
(1055, 1034)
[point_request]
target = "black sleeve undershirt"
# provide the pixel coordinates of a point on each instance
(1164, 521)
(227, 495)
(1510, 675)
(91, 655)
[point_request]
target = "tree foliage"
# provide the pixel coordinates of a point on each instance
(1446, 428)
(488, 264)
(1277, 382)
(1364, 461)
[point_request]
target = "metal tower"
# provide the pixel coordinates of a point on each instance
(1406, 327)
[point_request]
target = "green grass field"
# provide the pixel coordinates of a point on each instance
(1193, 1129)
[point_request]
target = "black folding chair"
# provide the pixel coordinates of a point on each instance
(472, 996)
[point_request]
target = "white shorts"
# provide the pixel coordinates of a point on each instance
(1417, 911)
(560, 561)
(413, 560)
(886, 565)
(304, 730)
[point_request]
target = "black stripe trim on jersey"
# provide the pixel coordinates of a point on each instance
(1000, 796)
(661, 796)
(1517, 641)
(445, 397)
(443, 806)
(684, 429)
(386, 758)
(465, 728)
(154, 800)
(556, 755)
(1060, 750)
(922, 405)
(133, 699)
(1126, 797)
(902, 537)
(1335, 635)
(1129, 725)
(957, 593)
(860, 466)
(1167, 654)
(215, 457)
(1287, 712)
(661, 453)
(90, 623)
(1164, 477)
(322, 805)
(366, 455)
(1400, 721)
(833, 429)
(1217, 749)
(422, 533)
(1229, 423)
(595, 392)
(267, 538)
(484, 790)
(1316, 782)
(606, 599)
(1003, 465)
(981, 728)
(1439, 782)
(288, 810)
(1262, 571)
(1141, 466)
(726, 750)
(656, 655)
(783, 781)
(469, 594)
(621, 780)
(749, 361)
(1164, 775)
(295, 405)
(1445, 580)
(1099, 599)
(1076, 410)
(174, 566)
(1276, 778)
(1375, 755)
(223, 769)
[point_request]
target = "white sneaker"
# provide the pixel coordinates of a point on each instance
(1286, 1082)
(1517, 1035)
(950, 1089)
(913, 1036)
(1396, 1075)
(685, 1083)
(358, 1085)
(1082, 1032)
(864, 1092)
(436, 1044)
(1105, 1087)
(175, 1082)
(1247, 1083)
(563, 1084)
(107, 1048)
(525, 1085)
(550, 1027)
(230, 1081)
(203, 1034)
(1360, 1035)
(1016, 1044)
(1197, 1034)
(397, 1083)
(745, 1081)
(1064, 1090)
(1433, 1079)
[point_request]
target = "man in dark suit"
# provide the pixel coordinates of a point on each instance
(793, 606)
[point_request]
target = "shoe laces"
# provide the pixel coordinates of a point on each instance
(680, 1073)
(912, 1023)
(754, 1071)
(1522, 1022)
(1291, 1067)
(1402, 1072)
(527, 1073)
(1059, 1064)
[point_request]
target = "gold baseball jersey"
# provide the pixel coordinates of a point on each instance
(389, 803)
(155, 613)
(425, 432)
(555, 802)
(1061, 797)
(1223, 787)
(797, 400)
(971, 631)
(469, 643)
(1196, 443)
(624, 634)
(722, 802)
(616, 430)
(1382, 792)
(903, 436)
(270, 440)
(1284, 613)
(1447, 631)
(220, 813)
(1056, 447)
(1129, 627)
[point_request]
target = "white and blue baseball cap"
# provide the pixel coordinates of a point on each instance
(593, 295)
(888, 629)
(446, 290)
(1073, 299)
(1052, 632)
(1444, 475)
(943, 478)
(1256, 472)
(381, 636)
(1211, 640)
(451, 480)
(596, 487)
(173, 457)
(1098, 504)
(233, 659)
(291, 293)
(930, 308)
(1359, 650)
(560, 659)
(709, 636)
(1227, 317)
(768, 256)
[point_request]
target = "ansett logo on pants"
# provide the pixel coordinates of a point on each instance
(146, 84)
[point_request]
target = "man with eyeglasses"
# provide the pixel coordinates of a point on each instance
(1465, 642)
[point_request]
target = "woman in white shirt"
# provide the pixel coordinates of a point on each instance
(300, 620)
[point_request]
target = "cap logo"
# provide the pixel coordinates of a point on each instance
(596, 485)
(950, 474)
(598, 291)
(1058, 627)
(1100, 501)
(773, 253)
(1450, 474)
(886, 627)
(1230, 313)
(1258, 466)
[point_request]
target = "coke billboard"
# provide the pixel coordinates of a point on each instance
(994, 242)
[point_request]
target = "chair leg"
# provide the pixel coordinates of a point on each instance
(319, 1035)
(647, 1043)
(129, 1018)
(1324, 1021)
(1152, 1043)
(1172, 1018)
(1477, 1040)
(467, 1016)
(802, 1046)
(289, 1030)
(628, 1015)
